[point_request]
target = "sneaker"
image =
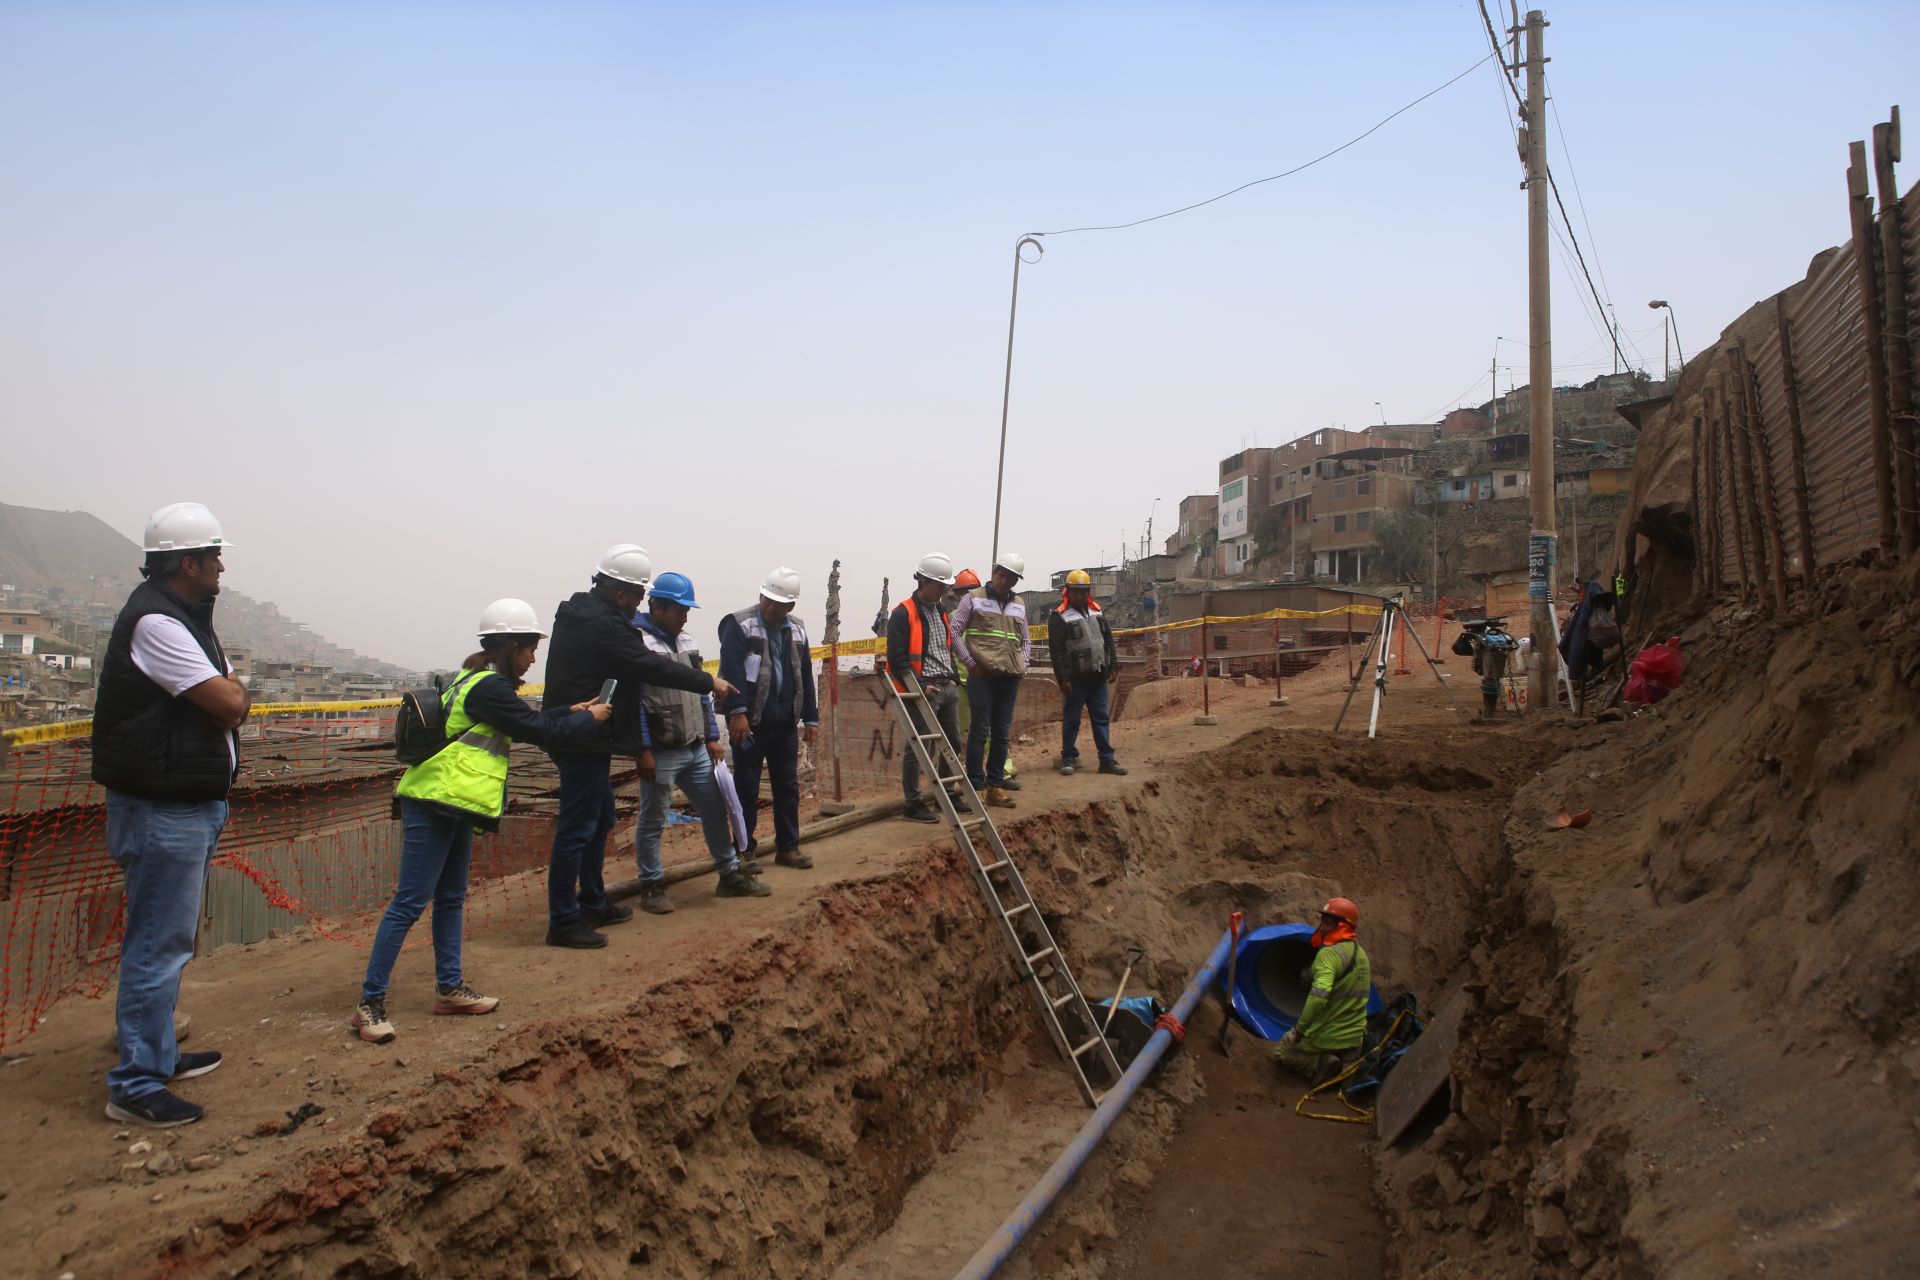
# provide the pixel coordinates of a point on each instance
(919, 813)
(793, 858)
(464, 999)
(197, 1064)
(370, 1020)
(1113, 766)
(577, 934)
(654, 902)
(612, 913)
(1066, 768)
(998, 799)
(1008, 784)
(739, 884)
(156, 1110)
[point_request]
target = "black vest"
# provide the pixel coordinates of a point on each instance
(146, 743)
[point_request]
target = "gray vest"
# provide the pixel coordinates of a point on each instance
(1086, 648)
(675, 717)
(754, 627)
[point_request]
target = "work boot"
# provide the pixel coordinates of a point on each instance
(1065, 766)
(752, 866)
(370, 1022)
(998, 799)
(1113, 766)
(1008, 784)
(653, 900)
(577, 934)
(738, 884)
(612, 913)
(919, 813)
(464, 999)
(1329, 1066)
(793, 858)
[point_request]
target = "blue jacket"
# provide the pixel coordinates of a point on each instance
(738, 650)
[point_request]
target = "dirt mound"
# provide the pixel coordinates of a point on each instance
(1695, 1039)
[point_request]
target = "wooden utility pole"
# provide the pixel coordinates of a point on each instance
(1542, 668)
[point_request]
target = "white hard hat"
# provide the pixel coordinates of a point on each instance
(1013, 562)
(936, 566)
(510, 617)
(782, 586)
(626, 562)
(182, 526)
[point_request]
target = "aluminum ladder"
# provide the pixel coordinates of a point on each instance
(1037, 959)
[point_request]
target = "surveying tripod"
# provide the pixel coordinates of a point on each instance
(1036, 956)
(1379, 644)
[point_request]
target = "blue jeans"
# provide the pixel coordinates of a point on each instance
(692, 768)
(775, 747)
(435, 853)
(1089, 692)
(163, 848)
(576, 872)
(992, 699)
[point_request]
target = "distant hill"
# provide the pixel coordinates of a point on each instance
(78, 554)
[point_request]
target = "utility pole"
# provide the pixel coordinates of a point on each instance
(1542, 668)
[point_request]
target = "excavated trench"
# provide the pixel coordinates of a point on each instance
(825, 1099)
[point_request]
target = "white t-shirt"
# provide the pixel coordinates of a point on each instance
(167, 654)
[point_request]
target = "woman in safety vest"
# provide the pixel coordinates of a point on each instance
(463, 786)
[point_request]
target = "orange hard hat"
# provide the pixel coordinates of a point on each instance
(967, 580)
(1342, 909)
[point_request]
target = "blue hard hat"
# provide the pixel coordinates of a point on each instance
(676, 588)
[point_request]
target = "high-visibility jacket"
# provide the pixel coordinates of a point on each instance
(469, 774)
(1335, 1016)
(916, 638)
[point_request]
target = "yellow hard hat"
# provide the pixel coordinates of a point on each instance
(1079, 578)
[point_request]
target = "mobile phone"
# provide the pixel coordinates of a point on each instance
(606, 691)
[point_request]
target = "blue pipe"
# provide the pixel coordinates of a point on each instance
(994, 1253)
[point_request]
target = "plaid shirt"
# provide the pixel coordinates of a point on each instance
(937, 662)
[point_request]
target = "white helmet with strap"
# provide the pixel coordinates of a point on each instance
(782, 586)
(936, 566)
(509, 617)
(182, 526)
(628, 563)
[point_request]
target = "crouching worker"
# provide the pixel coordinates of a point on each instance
(1333, 1026)
(463, 786)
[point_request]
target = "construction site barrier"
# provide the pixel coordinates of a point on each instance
(994, 1254)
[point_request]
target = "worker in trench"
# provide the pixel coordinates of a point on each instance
(1332, 1026)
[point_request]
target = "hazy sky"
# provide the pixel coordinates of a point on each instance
(431, 302)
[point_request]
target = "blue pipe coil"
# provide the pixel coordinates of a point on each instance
(1268, 992)
(994, 1253)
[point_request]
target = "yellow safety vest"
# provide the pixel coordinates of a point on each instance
(470, 772)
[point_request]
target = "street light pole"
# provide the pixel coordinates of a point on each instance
(1006, 389)
(1661, 304)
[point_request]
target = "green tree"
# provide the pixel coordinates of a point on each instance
(1405, 537)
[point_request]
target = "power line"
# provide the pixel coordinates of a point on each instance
(1122, 226)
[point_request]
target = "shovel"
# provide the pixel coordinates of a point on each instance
(1233, 966)
(1135, 954)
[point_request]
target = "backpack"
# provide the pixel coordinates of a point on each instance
(420, 729)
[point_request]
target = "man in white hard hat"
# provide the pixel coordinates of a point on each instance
(764, 654)
(991, 639)
(920, 640)
(594, 641)
(166, 748)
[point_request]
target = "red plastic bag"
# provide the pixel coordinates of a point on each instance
(1657, 671)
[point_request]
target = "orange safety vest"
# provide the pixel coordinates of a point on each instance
(917, 638)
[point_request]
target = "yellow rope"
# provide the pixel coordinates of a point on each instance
(1361, 1115)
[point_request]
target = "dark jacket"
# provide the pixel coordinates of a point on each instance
(147, 742)
(594, 641)
(899, 633)
(1057, 644)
